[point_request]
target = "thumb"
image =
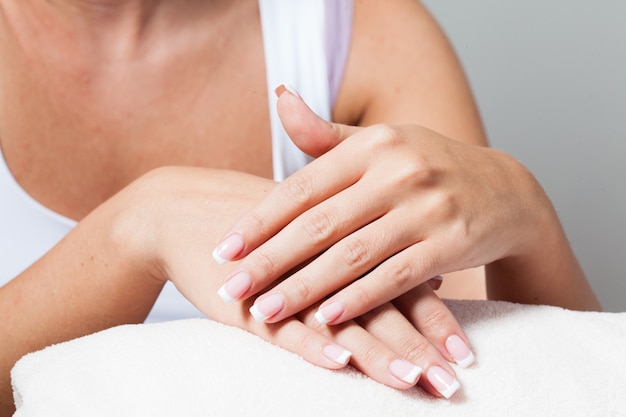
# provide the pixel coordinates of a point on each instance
(309, 132)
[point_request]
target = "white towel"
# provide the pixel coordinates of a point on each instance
(531, 361)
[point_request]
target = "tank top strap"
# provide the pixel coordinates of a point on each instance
(306, 43)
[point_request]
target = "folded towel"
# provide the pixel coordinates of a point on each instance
(531, 361)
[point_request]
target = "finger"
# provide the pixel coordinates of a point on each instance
(309, 132)
(435, 282)
(306, 237)
(299, 192)
(429, 314)
(305, 342)
(388, 324)
(290, 334)
(369, 355)
(397, 275)
(296, 194)
(342, 264)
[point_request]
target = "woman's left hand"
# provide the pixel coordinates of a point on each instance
(380, 211)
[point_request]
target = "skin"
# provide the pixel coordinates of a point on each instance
(97, 95)
(423, 222)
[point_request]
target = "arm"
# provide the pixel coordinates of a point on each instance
(110, 269)
(419, 81)
(462, 204)
(84, 284)
(543, 268)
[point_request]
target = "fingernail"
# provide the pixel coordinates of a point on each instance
(267, 307)
(228, 249)
(405, 371)
(461, 353)
(235, 287)
(329, 313)
(435, 282)
(337, 354)
(286, 87)
(442, 381)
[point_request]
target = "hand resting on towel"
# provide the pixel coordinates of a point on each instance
(535, 361)
(146, 125)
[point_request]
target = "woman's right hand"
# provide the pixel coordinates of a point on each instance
(169, 220)
(110, 269)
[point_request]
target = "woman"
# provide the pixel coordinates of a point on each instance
(134, 132)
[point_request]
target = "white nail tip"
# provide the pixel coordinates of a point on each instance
(449, 392)
(464, 363)
(411, 377)
(292, 90)
(344, 357)
(320, 318)
(218, 258)
(258, 316)
(224, 295)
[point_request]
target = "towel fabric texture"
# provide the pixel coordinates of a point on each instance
(531, 361)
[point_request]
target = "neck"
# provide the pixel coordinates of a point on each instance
(98, 14)
(116, 28)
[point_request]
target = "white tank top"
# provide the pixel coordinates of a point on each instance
(306, 44)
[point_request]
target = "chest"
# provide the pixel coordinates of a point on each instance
(73, 135)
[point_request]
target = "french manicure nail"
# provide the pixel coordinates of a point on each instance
(337, 354)
(405, 370)
(228, 249)
(329, 313)
(286, 87)
(459, 350)
(267, 307)
(442, 381)
(235, 287)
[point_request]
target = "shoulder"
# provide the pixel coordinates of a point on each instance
(402, 69)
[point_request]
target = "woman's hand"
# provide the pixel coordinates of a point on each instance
(168, 219)
(382, 210)
(111, 267)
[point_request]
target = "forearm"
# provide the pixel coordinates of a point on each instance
(545, 271)
(84, 284)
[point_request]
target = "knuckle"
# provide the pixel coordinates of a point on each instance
(420, 268)
(415, 349)
(257, 223)
(410, 168)
(418, 171)
(401, 275)
(354, 253)
(306, 343)
(385, 136)
(415, 170)
(298, 189)
(434, 321)
(443, 205)
(266, 263)
(318, 225)
(304, 289)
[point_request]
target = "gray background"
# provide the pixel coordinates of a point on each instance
(550, 80)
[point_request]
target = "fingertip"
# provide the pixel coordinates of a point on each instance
(257, 315)
(286, 87)
(460, 351)
(337, 354)
(435, 282)
(442, 381)
(267, 307)
(329, 313)
(228, 249)
(405, 371)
